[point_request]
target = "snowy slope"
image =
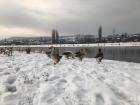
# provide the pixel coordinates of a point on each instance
(34, 80)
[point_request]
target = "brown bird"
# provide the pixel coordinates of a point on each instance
(54, 55)
(99, 56)
(49, 52)
(81, 54)
(1, 50)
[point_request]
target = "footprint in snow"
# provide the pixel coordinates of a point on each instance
(26, 101)
(101, 78)
(77, 79)
(80, 93)
(54, 78)
(10, 88)
(6, 73)
(99, 99)
(17, 68)
(61, 83)
(9, 66)
(11, 80)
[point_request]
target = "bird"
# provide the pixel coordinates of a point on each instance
(99, 56)
(56, 58)
(68, 54)
(54, 55)
(81, 54)
(49, 52)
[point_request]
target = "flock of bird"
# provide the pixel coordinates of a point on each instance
(53, 54)
(56, 57)
(6, 51)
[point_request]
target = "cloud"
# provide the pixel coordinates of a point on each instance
(13, 15)
(70, 16)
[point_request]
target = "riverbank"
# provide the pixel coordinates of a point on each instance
(34, 80)
(78, 45)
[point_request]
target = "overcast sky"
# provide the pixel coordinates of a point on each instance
(39, 17)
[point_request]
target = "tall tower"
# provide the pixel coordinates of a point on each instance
(100, 34)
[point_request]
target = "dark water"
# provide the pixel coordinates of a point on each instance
(130, 54)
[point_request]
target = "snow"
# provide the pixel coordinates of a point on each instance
(123, 44)
(32, 79)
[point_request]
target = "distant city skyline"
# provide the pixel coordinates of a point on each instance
(39, 17)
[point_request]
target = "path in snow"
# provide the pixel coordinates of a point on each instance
(34, 80)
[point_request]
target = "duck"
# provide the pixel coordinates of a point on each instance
(49, 52)
(54, 55)
(99, 56)
(81, 54)
(68, 54)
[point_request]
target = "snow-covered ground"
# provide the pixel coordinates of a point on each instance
(80, 45)
(34, 80)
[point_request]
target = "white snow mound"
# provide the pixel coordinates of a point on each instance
(34, 80)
